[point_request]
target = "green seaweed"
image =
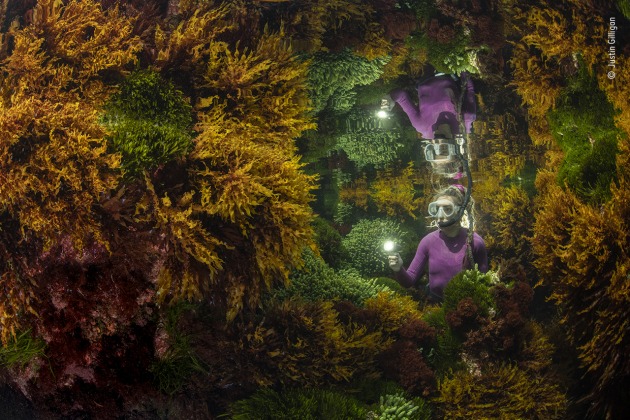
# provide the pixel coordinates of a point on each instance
(297, 404)
(624, 7)
(469, 284)
(173, 370)
(398, 407)
(453, 57)
(317, 281)
(369, 140)
(584, 127)
(328, 241)
(445, 357)
(21, 350)
(393, 285)
(333, 76)
(364, 245)
(150, 122)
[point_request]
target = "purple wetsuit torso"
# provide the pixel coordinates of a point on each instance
(444, 257)
(437, 98)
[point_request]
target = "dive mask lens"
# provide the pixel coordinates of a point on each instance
(442, 149)
(429, 153)
(442, 210)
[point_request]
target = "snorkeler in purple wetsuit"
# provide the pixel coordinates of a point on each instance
(443, 253)
(436, 112)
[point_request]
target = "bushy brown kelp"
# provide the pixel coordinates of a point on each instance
(295, 343)
(395, 194)
(239, 200)
(582, 254)
(507, 226)
(580, 248)
(16, 283)
(367, 27)
(406, 360)
(551, 42)
(242, 201)
(52, 149)
(500, 392)
(54, 159)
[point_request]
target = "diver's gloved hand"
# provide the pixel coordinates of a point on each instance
(387, 103)
(395, 262)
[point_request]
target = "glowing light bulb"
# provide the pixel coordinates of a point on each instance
(382, 114)
(389, 246)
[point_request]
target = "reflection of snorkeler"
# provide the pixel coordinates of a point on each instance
(440, 101)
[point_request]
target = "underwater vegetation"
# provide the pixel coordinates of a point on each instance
(363, 245)
(581, 255)
(366, 141)
(508, 223)
(333, 77)
(315, 280)
(21, 349)
(329, 404)
(584, 127)
(298, 404)
(54, 159)
(395, 194)
(132, 112)
(469, 395)
(163, 254)
(578, 237)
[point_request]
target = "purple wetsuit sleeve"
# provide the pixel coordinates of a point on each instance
(408, 277)
(480, 254)
(402, 98)
(469, 107)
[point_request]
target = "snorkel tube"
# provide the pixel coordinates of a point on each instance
(459, 154)
(462, 209)
(463, 160)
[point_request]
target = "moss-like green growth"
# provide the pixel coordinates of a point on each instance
(174, 368)
(344, 213)
(315, 145)
(624, 7)
(393, 285)
(332, 77)
(453, 56)
(423, 9)
(317, 281)
(150, 122)
(328, 241)
(369, 140)
(297, 404)
(469, 284)
(397, 407)
(445, 356)
(583, 125)
(364, 245)
(21, 349)
(369, 390)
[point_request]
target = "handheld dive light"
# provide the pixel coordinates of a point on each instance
(389, 247)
